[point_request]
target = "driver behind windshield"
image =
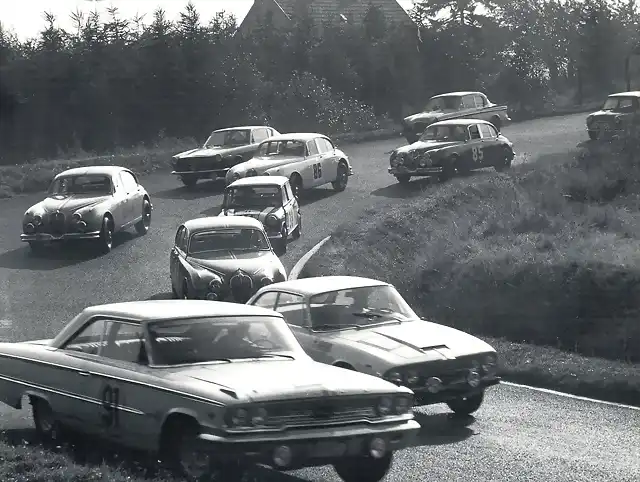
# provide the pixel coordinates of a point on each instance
(235, 341)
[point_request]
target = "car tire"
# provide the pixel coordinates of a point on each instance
(296, 185)
(364, 469)
(497, 122)
(448, 169)
(466, 405)
(505, 162)
(403, 178)
(298, 231)
(44, 419)
(593, 135)
(282, 249)
(142, 226)
(106, 235)
(342, 177)
(189, 180)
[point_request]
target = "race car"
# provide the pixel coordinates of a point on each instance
(208, 386)
(453, 146)
(308, 160)
(88, 203)
(365, 325)
(270, 200)
(222, 259)
(619, 117)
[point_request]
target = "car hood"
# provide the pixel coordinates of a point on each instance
(67, 203)
(227, 262)
(605, 114)
(259, 214)
(420, 340)
(425, 145)
(261, 164)
(287, 379)
(207, 152)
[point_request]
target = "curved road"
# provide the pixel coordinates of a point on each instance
(517, 435)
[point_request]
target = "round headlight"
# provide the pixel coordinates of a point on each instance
(385, 406)
(259, 417)
(394, 377)
(239, 417)
(76, 217)
(265, 280)
(235, 176)
(413, 378)
(37, 220)
(403, 405)
(215, 284)
(252, 172)
(272, 220)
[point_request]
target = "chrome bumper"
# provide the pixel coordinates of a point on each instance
(46, 237)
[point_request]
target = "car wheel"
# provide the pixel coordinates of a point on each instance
(189, 180)
(466, 405)
(284, 238)
(106, 235)
(44, 419)
(403, 178)
(296, 185)
(142, 226)
(364, 469)
(593, 135)
(342, 178)
(298, 231)
(505, 162)
(496, 121)
(448, 169)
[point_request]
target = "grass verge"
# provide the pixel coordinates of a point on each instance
(542, 259)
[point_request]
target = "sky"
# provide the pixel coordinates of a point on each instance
(25, 18)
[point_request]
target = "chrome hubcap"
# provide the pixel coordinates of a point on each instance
(147, 215)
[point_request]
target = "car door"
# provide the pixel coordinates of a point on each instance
(481, 105)
(294, 207)
(492, 149)
(287, 205)
(174, 258)
(328, 159)
(475, 149)
(468, 108)
(312, 174)
(119, 202)
(134, 196)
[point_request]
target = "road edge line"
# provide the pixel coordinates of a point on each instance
(302, 262)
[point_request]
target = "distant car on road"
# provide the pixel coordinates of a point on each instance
(88, 203)
(270, 200)
(449, 147)
(620, 115)
(307, 159)
(365, 325)
(209, 387)
(454, 105)
(222, 150)
(222, 259)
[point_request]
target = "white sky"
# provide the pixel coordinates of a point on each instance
(25, 18)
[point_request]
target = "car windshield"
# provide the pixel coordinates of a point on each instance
(290, 148)
(252, 197)
(230, 138)
(240, 239)
(220, 339)
(97, 184)
(357, 307)
(620, 104)
(448, 102)
(457, 133)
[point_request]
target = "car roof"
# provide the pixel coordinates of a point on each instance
(241, 127)
(324, 284)
(452, 94)
(297, 136)
(260, 181)
(98, 170)
(460, 122)
(175, 309)
(631, 93)
(222, 222)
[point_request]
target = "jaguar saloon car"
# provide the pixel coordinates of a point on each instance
(307, 159)
(222, 259)
(222, 150)
(365, 325)
(208, 386)
(88, 203)
(270, 200)
(452, 147)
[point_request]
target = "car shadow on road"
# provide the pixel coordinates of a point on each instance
(310, 196)
(405, 191)
(443, 428)
(214, 211)
(59, 256)
(201, 190)
(92, 452)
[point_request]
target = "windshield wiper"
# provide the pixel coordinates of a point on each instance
(328, 326)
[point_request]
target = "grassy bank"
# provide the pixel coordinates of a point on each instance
(544, 257)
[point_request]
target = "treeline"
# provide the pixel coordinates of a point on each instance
(118, 82)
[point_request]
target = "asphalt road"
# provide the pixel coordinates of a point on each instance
(517, 435)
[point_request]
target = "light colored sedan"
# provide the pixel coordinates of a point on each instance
(365, 325)
(209, 385)
(308, 160)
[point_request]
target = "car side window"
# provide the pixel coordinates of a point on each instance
(179, 234)
(468, 102)
(129, 182)
(184, 240)
(312, 147)
(327, 144)
(488, 131)
(124, 342)
(292, 308)
(289, 191)
(267, 300)
(89, 338)
(260, 135)
(474, 133)
(285, 195)
(479, 100)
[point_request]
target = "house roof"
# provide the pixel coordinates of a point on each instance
(326, 10)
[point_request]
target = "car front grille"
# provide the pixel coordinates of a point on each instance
(241, 286)
(321, 412)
